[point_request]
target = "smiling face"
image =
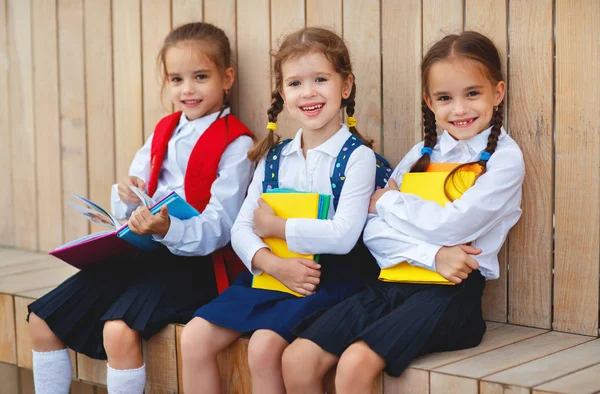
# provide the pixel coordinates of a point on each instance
(462, 97)
(195, 82)
(313, 92)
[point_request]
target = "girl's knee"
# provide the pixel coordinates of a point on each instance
(358, 364)
(119, 338)
(265, 350)
(201, 340)
(305, 363)
(42, 337)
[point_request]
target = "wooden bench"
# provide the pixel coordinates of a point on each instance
(511, 359)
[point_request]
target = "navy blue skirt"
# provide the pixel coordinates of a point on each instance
(147, 291)
(401, 321)
(244, 309)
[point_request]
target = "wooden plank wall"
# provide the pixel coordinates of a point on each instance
(80, 92)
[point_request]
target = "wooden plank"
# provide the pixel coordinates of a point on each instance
(72, 113)
(577, 238)
(37, 293)
(551, 367)
(34, 264)
(6, 199)
(449, 384)
(253, 56)
(99, 101)
(9, 376)
(531, 125)
(325, 14)
(222, 13)
(26, 380)
(512, 355)
(127, 82)
(441, 17)
(186, 11)
(584, 381)
(495, 339)
(362, 32)
(233, 366)
(489, 18)
(401, 70)
(21, 105)
(412, 380)
(82, 388)
(178, 331)
(101, 390)
(90, 370)
(15, 263)
(156, 24)
(8, 337)
(160, 356)
(47, 127)
(289, 17)
(36, 279)
(24, 356)
(495, 388)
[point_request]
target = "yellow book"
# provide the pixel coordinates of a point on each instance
(429, 186)
(289, 205)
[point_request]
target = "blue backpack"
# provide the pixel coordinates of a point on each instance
(383, 171)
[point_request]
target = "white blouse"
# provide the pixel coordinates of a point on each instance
(409, 228)
(340, 232)
(211, 230)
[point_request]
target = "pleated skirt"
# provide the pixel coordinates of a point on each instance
(401, 321)
(147, 292)
(245, 309)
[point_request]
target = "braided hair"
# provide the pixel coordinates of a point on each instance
(477, 47)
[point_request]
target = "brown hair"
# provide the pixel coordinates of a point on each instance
(293, 46)
(209, 38)
(469, 45)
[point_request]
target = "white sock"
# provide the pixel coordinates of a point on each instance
(52, 372)
(125, 381)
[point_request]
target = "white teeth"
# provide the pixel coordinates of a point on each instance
(312, 107)
(461, 123)
(191, 101)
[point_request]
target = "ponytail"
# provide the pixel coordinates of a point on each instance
(350, 103)
(271, 139)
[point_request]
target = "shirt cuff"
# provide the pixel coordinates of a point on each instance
(428, 253)
(120, 209)
(290, 234)
(174, 234)
(255, 248)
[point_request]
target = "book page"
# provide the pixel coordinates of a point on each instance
(146, 200)
(95, 213)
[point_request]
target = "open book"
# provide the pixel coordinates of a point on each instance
(119, 240)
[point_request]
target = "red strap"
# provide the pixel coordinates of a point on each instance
(218, 259)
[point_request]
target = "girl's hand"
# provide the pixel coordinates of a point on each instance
(266, 223)
(455, 262)
(298, 274)
(126, 194)
(143, 222)
(392, 185)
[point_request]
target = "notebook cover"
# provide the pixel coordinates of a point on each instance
(287, 205)
(429, 186)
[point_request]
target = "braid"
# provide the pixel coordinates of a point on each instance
(350, 103)
(492, 144)
(269, 140)
(430, 138)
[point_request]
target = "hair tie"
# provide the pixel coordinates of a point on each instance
(426, 150)
(485, 156)
(351, 121)
(272, 126)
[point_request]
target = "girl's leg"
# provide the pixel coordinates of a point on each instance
(264, 359)
(304, 365)
(201, 342)
(357, 369)
(51, 361)
(126, 372)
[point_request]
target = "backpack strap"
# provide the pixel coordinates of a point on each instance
(383, 171)
(271, 180)
(339, 170)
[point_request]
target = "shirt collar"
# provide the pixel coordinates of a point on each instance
(331, 147)
(477, 143)
(199, 124)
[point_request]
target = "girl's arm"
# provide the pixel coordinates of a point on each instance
(203, 234)
(495, 195)
(140, 167)
(339, 234)
(244, 241)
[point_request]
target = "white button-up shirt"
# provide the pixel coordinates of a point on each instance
(211, 230)
(408, 228)
(340, 232)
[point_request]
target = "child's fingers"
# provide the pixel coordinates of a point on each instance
(392, 184)
(310, 264)
(313, 280)
(470, 249)
(472, 263)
